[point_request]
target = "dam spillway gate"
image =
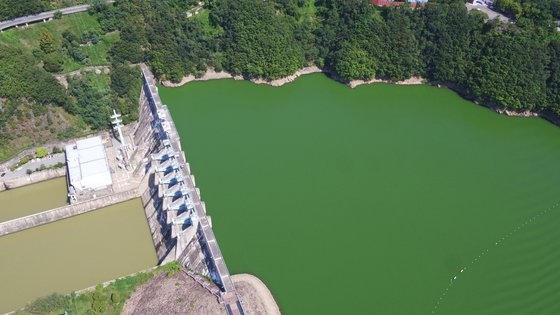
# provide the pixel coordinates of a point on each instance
(176, 215)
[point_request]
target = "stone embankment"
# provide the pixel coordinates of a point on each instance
(56, 214)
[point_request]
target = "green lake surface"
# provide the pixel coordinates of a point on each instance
(74, 253)
(372, 200)
(27, 200)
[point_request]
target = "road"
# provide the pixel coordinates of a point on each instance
(32, 165)
(491, 14)
(44, 16)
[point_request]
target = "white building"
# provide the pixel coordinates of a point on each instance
(88, 168)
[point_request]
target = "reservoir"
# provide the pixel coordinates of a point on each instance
(382, 199)
(74, 253)
(23, 201)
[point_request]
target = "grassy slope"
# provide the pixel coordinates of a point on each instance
(27, 125)
(28, 38)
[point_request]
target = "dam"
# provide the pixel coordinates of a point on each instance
(153, 168)
(177, 218)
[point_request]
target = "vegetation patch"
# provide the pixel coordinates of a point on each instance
(108, 299)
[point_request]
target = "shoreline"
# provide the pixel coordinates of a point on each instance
(261, 294)
(211, 74)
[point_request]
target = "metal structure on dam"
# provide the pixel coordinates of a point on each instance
(177, 218)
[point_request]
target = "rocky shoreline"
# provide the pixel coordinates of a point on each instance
(211, 74)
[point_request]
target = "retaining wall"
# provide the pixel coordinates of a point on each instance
(33, 178)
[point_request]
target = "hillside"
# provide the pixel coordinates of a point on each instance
(35, 107)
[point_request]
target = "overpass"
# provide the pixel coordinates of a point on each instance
(44, 16)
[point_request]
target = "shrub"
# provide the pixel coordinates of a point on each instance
(41, 152)
(53, 62)
(48, 304)
(115, 297)
(56, 150)
(29, 171)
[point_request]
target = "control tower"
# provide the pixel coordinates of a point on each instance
(117, 125)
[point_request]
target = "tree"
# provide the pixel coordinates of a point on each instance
(53, 62)
(353, 63)
(58, 15)
(46, 41)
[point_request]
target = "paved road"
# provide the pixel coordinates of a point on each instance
(44, 16)
(491, 14)
(56, 158)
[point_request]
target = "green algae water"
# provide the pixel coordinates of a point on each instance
(74, 253)
(27, 200)
(382, 199)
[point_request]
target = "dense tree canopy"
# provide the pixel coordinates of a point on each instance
(256, 41)
(21, 78)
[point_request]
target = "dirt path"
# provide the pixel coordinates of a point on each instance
(98, 69)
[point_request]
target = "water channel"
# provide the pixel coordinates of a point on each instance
(71, 254)
(382, 199)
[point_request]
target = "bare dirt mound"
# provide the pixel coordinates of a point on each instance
(178, 294)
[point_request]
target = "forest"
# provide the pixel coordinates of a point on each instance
(515, 65)
(508, 65)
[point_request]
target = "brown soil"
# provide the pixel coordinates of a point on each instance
(178, 294)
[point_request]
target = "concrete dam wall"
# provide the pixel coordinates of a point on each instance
(180, 228)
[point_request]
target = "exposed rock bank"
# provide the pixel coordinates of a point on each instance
(211, 74)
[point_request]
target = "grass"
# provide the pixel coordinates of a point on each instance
(203, 17)
(27, 38)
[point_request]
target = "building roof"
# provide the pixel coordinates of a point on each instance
(87, 165)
